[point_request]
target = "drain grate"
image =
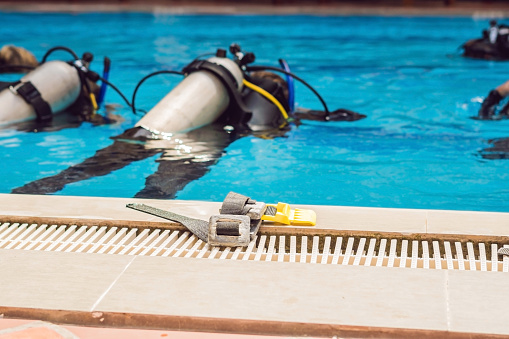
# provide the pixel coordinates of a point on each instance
(318, 249)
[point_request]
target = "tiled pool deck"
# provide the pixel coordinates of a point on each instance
(250, 297)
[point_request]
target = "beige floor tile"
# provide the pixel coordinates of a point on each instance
(475, 223)
(478, 302)
(320, 294)
(370, 219)
(55, 280)
(97, 207)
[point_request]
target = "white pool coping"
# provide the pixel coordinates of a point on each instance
(113, 210)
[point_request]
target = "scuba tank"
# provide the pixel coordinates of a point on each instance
(199, 99)
(51, 87)
(216, 90)
(228, 91)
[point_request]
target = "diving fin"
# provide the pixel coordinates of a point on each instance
(487, 110)
(341, 114)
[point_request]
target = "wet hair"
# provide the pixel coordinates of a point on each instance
(493, 22)
(274, 77)
(15, 56)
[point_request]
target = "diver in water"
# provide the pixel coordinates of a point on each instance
(48, 88)
(499, 148)
(494, 44)
(218, 101)
(489, 105)
(492, 32)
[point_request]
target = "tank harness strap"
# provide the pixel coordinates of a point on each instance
(32, 96)
(236, 103)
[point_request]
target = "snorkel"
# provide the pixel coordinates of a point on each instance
(291, 85)
(104, 84)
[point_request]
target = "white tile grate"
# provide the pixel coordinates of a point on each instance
(312, 249)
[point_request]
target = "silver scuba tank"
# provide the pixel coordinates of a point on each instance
(198, 100)
(58, 84)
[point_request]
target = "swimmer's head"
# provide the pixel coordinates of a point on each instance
(274, 77)
(16, 56)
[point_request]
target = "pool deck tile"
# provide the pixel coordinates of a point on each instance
(249, 297)
(54, 281)
(475, 223)
(272, 292)
(477, 304)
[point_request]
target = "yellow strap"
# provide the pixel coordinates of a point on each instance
(94, 102)
(267, 95)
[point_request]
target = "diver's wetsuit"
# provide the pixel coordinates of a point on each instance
(176, 169)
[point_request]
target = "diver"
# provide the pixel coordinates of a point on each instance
(489, 105)
(494, 44)
(219, 101)
(492, 32)
(48, 88)
(499, 148)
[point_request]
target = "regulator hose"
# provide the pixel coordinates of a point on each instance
(267, 95)
(116, 90)
(143, 80)
(276, 69)
(59, 48)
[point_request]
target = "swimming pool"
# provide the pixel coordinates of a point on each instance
(416, 149)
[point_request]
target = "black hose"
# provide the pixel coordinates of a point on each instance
(147, 77)
(263, 68)
(117, 90)
(59, 48)
(83, 79)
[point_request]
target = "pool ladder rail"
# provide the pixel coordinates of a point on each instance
(271, 245)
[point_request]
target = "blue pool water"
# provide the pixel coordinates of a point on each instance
(417, 148)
